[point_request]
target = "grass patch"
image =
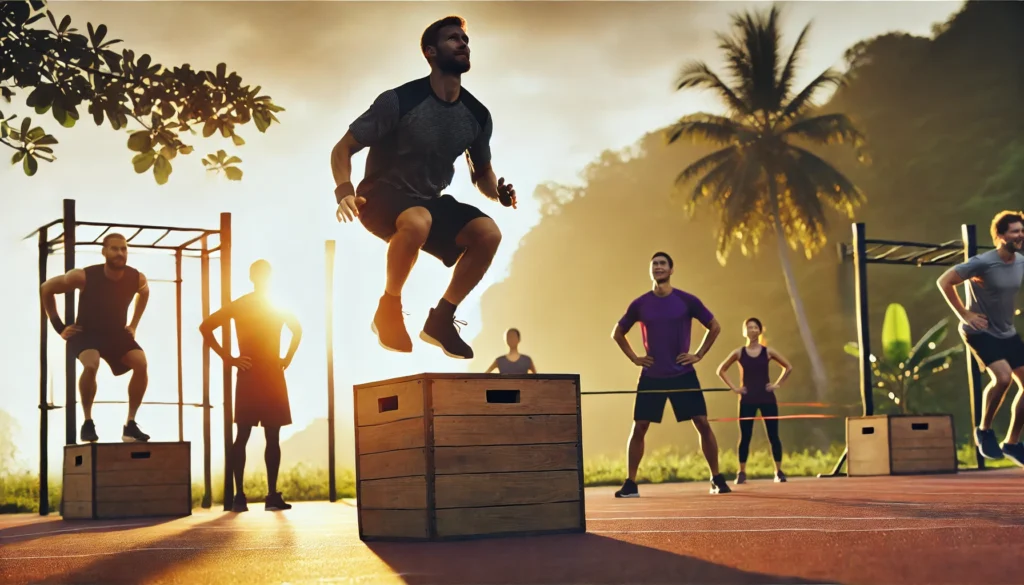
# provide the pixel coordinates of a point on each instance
(302, 482)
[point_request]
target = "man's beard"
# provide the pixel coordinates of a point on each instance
(1011, 247)
(452, 65)
(119, 266)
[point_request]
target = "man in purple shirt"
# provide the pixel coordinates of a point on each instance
(665, 315)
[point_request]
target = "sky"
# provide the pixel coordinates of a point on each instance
(564, 81)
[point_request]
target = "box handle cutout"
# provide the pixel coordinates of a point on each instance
(140, 455)
(78, 460)
(387, 404)
(919, 426)
(867, 431)
(503, 396)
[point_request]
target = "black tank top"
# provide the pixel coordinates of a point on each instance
(755, 377)
(103, 304)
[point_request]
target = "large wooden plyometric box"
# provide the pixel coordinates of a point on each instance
(451, 456)
(127, 480)
(900, 444)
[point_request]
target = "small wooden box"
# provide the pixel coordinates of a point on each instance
(899, 444)
(450, 456)
(127, 480)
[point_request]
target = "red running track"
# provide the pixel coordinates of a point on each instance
(962, 529)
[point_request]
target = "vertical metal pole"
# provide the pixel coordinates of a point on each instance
(860, 262)
(177, 306)
(225, 300)
(205, 285)
(970, 239)
(329, 311)
(44, 407)
(70, 360)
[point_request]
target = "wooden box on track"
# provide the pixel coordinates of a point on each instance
(127, 480)
(451, 456)
(898, 444)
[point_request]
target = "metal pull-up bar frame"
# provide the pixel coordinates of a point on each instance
(198, 241)
(863, 252)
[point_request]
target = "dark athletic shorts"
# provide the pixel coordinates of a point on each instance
(384, 204)
(989, 350)
(686, 405)
(112, 347)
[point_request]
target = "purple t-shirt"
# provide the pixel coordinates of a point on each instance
(666, 323)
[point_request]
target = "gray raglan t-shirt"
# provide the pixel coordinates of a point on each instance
(994, 285)
(415, 138)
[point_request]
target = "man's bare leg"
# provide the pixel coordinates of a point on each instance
(136, 360)
(1012, 448)
(90, 360)
(635, 448)
(413, 227)
(995, 392)
(709, 445)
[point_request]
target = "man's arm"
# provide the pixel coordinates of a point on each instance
(375, 125)
(296, 328)
(953, 278)
(481, 172)
(619, 335)
(709, 338)
(73, 279)
(140, 302)
(215, 321)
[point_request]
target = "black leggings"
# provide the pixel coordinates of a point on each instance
(770, 426)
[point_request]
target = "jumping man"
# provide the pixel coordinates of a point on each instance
(513, 362)
(261, 394)
(415, 132)
(101, 329)
(986, 325)
(665, 315)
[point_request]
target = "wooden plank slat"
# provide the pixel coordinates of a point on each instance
(398, 493)
(393, 464)
(77, 488)
(77, 510)
(142, 456)
(456, 522)
(402, 434)
(902, 428)
(395, 524)
(149, 477)
(180, 506)
(78, 459)
(496, 489)
(455, 431)
(142, 493)
(923, 442)
(505, 458)
(382, 404)
(503, 397)
(946, 464)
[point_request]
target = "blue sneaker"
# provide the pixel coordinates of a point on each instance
(1015, 452)
(987, 444)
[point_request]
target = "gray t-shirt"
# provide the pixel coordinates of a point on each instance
(520, 366)
(993, 285)
(415, 138)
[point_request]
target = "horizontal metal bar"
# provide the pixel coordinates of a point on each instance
(148, 227)
(946, 245)
(43, 227)
(166, 233)
(906, 263)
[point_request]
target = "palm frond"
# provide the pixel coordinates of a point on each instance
(923, 348)
(742, 213)
(929, 362)
(715, 184)
(698, 74)
(709, 128)
(834, 188)
(826, 129)
(714, 159)
(804, 100)
(785, 83)
(740, 69)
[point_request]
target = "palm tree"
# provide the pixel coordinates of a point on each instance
(761, 178)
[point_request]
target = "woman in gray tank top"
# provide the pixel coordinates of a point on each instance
(513, 362)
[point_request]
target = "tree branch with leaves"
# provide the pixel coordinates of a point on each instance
(67, 71)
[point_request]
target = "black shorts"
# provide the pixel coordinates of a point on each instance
(989, 350)
(686, 405)
(112, 347)
(448, 216)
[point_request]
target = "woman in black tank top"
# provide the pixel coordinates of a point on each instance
(757, 393)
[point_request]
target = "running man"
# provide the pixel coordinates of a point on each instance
(415, 133)
(261, 393)
(986, 325)
(101, 329)
(513, 362)
(757, 392)
(665, 315)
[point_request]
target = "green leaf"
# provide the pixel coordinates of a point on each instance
(48, 139)
(30, 165)
(42, 109)
(17, 157)
(140, 141)
(26, 123)
(34, 134)
(852, 348)
(186, 149)
(237, 140)
(162, 170)
(233, 173)
(232, 161)
(209, 128)
(64, 23)
(143, 161)
(896, 334)
(261, 121)
(168, 152)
